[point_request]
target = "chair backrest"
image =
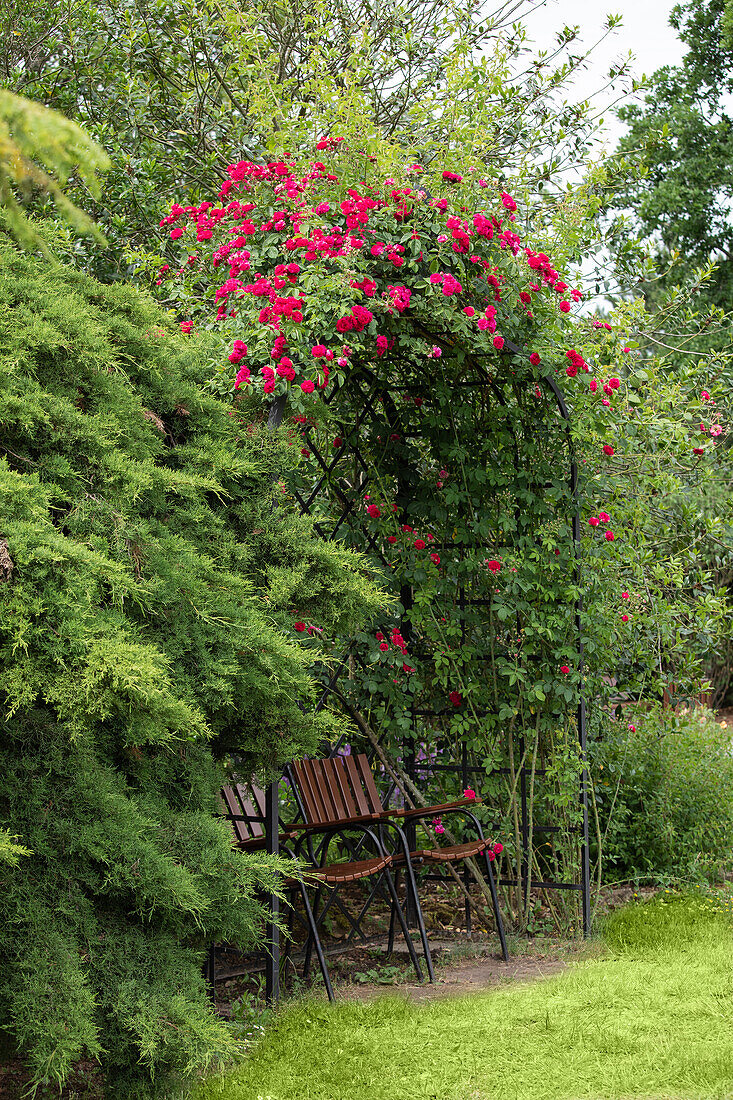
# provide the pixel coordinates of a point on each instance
(245, 808)
(336, 789)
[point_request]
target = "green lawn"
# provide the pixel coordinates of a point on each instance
(652, 1017)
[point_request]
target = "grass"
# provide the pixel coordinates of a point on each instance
(651, 1017)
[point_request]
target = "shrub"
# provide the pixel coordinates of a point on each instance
(664, 789)
(149, 577)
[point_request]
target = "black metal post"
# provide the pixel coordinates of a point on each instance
(272, 831)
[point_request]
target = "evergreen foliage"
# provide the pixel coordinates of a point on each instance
(149, 577)
(34, 142)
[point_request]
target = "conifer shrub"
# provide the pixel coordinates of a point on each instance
(149, 581)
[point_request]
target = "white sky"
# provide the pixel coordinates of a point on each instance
(645, 31)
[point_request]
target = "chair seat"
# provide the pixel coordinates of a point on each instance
(347, 872)
(451, 853)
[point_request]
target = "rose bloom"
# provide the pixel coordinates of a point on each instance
(610, 536)
(374, 511)
(564, 669)
(594, 521)
(392, 539)
(607, 449)
(494, 566)
(604, 517)
(534, 359)
(435, 559)
(624, 595)
(338, 441)
(419, 544)
(565, 306)
(383, 647)
(624, 618)
(456, 698)
(469, 793)
(300, 627)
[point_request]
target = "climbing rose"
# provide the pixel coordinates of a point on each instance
(564, 669)
(607, 449)
(624, 618)
(318, 351)
(594, 521)
(392, 539)
(610, 536)
(624, 595)
(469, 793)
(534, 359)
(383, 646)
(300, 627)
(564, 307)
(338, 442)
(494, 566)
(186, 326)
(373, 511)
(456, 698)
(435, 558)
(604, 517)
(498, 848)
(307, 386)
(498, 342)
(419, 544)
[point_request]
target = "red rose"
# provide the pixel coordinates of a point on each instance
(392, 538)
(534, 359)
(565, 306)
(338, 442)
(300, 627)
(494, 566)
(564, 669)
(373, 511)
(469, 793)
(419, 544)
(594, 521)
(383, 646)
(607, 449)
(610, 536)
(456, 698)
(435, 558)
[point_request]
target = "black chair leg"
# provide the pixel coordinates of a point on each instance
(316, 940)
(412, 890)
(403, 924)
(393, 919)
(310, 941)
(497, 912)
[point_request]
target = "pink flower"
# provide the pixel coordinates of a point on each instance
(176, 233)
(382, 345)
(632, 728)
(593, 385)
(564, 669)
(698, 450)
(318, 351)
(614, 383)
(186, 326)
(565, 306)
(498, 848)
(594, 521)
(610, 536)
(470, 794)
(374, 511)
(307, 386)
(705, 396)
(498, 342)
(607, 449)
(624, 618)
(469, 311)
(300, 627)
(439, 830)
(534, 359)
(383, 647)
(624, 595)
(494, 566)
(604, 517)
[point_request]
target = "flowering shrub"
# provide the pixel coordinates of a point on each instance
(415, 339)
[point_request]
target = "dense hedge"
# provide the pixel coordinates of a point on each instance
(148, 580)
(664, 791)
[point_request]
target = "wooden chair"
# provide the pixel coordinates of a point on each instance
(339, 791)
(245, 809)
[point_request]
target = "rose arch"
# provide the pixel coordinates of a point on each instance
(412, 348)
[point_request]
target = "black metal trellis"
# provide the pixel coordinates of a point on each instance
(378, 408)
